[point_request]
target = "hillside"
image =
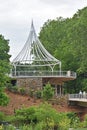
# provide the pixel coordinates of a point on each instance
(18, 101)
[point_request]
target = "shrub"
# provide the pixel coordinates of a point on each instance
(48, 92)
(26, 115)
(85, 121)
(4, 99)
(64, 124)
(43, 117)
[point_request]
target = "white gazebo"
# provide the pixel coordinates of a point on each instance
(35, 61)
(34, 58)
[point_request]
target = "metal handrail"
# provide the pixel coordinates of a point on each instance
(44, 73)
(73, 96)
(78, 96)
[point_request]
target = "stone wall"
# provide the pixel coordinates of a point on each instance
(30, 83)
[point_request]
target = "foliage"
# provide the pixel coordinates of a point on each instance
(64, 124)
(4, 60)
(31, 92)
(2, 116)
(4, 99)
(74, 120)
(4, 68)
(9, 86)
(22, 90)
(10, 127)
(25, 115)
(14, 89)
(38, 94)
(48, 92)
(66, 39)
(85, 121)
(42, 117)
(26, 127)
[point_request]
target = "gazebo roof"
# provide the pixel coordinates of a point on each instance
(34, 53)
(35, 61)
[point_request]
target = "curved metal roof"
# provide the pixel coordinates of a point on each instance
(34, 53)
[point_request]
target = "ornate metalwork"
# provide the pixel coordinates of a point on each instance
(34, 57)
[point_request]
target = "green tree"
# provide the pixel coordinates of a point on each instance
(66, 39)
(48, 92)
(4, 68)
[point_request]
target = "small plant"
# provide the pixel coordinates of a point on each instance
(15, 89)
(39, 94)
(48, 92)
(2, 116)
(22, 91)
(9, 86)
(31, 92)
(12, 88)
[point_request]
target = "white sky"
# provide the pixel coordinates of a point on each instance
(16, 16)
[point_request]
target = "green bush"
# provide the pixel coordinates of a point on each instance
(39, 126)
(4, 99)
(43, 117)
(74, 119)
(26, 115)
(48, 92)
(64, 124)
(85, 121)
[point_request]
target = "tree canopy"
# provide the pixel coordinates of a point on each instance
(66, 39)
(4, 68)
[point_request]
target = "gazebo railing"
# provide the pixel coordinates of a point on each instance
(43, 74)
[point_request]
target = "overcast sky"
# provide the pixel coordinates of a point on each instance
(16, 16)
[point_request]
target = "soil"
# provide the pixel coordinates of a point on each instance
(18, 101)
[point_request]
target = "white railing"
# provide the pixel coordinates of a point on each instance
(73, 96)
(43, 74)
(77, 96)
